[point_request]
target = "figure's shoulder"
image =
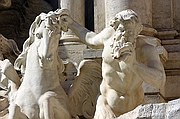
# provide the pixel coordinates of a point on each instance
(147, 48)
(147, 40)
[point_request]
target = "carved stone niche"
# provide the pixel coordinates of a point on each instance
(16, 17)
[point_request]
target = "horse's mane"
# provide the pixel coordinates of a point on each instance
(20, 62)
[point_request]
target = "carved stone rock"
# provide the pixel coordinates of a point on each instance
(170, 110)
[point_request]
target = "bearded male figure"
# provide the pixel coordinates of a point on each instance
(121, 88)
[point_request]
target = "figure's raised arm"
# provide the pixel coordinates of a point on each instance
(86, 36)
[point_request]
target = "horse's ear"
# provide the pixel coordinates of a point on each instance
(20, 62)
(34, 24)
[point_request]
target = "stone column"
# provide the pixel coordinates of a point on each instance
(142, 7)
(176, 14)
(69, 48)
(77, 12)
(163, 14)
(99, 15)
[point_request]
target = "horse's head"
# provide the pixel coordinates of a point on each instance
(46, 31)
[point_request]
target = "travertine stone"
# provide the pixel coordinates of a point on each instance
(176, 17)
(170, 34)
(153, 98)
(174, 56)
(172, 48)
(92, 53)
(99, 15)
(142, 7)
(170, 41)
(170, 110)
(162, 11)
(172, 64)
(72, 52)
(68, 49)
(172, 72)
(77, 11)
(172, 88)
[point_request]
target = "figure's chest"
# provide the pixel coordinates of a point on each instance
(107, 53)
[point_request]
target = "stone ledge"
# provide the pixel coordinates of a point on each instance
(172, 64)
(170, 41)
(92, 53)
(153, 98)
(170, 34)
(174, 55)
(172, 48)
(172, 72)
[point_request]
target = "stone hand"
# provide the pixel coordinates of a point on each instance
(66, 19)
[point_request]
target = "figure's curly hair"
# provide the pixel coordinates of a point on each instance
(129, 16)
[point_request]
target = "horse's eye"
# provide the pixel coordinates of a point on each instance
(39, 35)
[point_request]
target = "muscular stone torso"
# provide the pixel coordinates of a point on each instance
(121, 85)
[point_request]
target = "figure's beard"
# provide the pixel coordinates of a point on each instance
(122, 50)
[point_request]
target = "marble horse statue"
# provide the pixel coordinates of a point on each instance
(40, 95)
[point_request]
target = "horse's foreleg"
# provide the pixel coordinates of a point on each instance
(9, 71)
(15, 112)
(50, 107)
(46, 111)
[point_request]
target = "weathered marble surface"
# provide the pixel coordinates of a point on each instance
(170, 110)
